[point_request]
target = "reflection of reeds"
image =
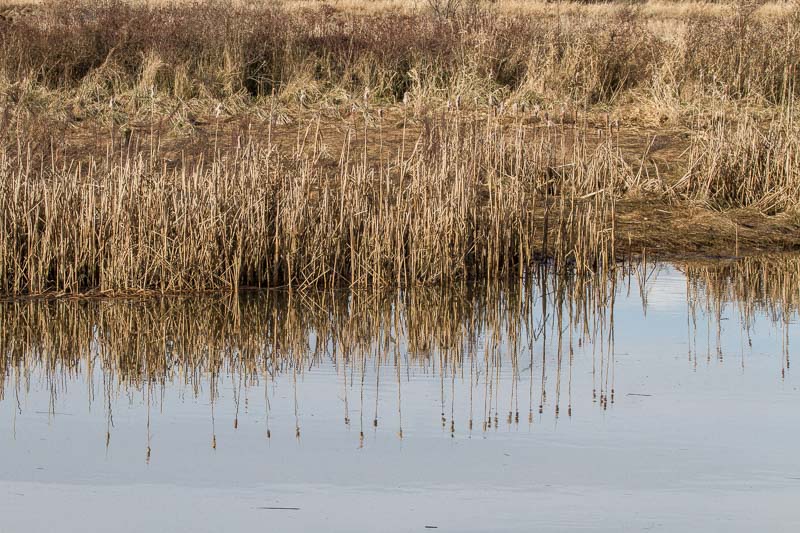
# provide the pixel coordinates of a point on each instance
(767, 285)
(260, 335)
(493, 336)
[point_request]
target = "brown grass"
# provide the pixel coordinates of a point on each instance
(157, 147)
(324, 54)
(465, 200)
(744, 165)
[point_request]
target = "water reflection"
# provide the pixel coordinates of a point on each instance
(489, 358)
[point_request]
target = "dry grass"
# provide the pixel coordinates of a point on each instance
(657, 9)
(743, 165)
(469, 196)
(157, 147)
(583, 56)
(465, 200)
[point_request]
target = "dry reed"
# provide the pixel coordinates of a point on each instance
(746, 165)
(469, 199)
(497, 173)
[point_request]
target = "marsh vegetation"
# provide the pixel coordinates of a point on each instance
(181, 147)
(396, 263)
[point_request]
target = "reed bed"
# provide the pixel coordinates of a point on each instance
(171, 148)
(469, 195)
(746, 165)
(468, 199)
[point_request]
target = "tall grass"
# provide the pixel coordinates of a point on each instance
(746, 165)
(484, 185)
(215, 49)
(472, 196)
(468, 199)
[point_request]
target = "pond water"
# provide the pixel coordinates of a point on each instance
(660, 398)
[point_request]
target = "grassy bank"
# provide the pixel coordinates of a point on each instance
(318, 53)
(471, 196)
(172, 147)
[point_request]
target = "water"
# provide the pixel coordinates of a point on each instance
(667, 403)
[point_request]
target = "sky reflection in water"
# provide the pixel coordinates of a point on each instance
(671, 406)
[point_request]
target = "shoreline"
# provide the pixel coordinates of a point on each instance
(320, 147)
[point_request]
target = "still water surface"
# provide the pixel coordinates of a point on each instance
(667, 403)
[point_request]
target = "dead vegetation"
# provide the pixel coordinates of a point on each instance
(163, 147)
(321, 55)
